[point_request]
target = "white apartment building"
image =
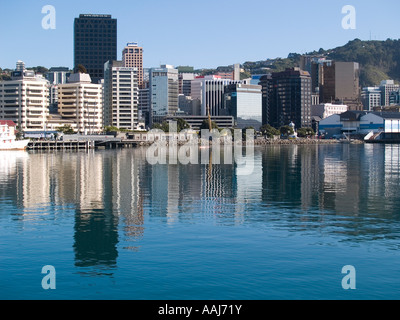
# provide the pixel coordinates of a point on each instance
(81, 101)
(25, 100)
(121, 95)
(210, 90)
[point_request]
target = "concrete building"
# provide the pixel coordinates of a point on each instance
(371, 98)
(164, 91)
(132, 57)
(25, 100)
(185, 83)
(209, 91)
(121, 95)
(80, 100)
(244, 103)
(387, 86)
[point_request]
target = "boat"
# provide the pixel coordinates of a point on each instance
(8, 140)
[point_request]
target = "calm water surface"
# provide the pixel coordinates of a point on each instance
(116, 227)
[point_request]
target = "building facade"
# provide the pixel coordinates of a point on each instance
(121, 95)
(25, 100)
(340, 82)
(80, 100)
(386, 87)
(209, 91)
(244, 103)
(132, 57)
(371, 98)
(95, 43)
(287, 98)
(163, 91)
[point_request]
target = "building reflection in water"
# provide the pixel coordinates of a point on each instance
(111, 192)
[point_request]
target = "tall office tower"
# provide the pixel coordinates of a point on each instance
(244, 103)
(120, 95)
(266, 89)
(386, 87)
(132, 57)
(95, 43)
(340, 83)
(209, 91)
(80, 100)
(289, 98)
(163, 91)
(25, 100)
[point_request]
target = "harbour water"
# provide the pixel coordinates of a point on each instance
(114, 226)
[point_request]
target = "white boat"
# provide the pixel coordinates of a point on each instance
(8, 140)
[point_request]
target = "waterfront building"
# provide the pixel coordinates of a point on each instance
(286, 98)
(121, 95)
(387, 124)
(386, 87)
(371, 98)
(163, 91)
(95, 43)
(80, 100)
(243, 102)
(209, 91)
(325, 110)
(132, 57)
(25, 99)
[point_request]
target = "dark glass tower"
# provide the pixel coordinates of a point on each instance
(287, 98)
(95, 43)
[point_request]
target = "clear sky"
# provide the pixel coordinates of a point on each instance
(202, 34)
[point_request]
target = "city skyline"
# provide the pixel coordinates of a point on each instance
(203, 35)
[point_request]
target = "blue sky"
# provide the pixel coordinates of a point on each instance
(203, 34)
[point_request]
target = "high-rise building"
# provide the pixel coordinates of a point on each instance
(243, 102)
(132, 57)
(95, 43)
(266, 88)
(120, 95)
(80, 100)
(386, 87)
(209, 91)
(25, 99)
(340, 82)
(164, 91)
(287, 98)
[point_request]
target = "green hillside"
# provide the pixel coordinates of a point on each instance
(379, 60)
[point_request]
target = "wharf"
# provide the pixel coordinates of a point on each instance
(60, 145)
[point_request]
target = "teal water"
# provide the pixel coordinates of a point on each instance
(116, 227)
